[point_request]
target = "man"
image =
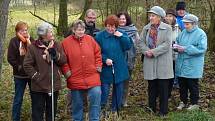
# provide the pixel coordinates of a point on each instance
(180, 9)
(90, 20)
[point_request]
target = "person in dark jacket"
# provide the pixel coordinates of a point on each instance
(126, 25)
(16, 52)
(37, 65)
(180, 13)
(90, 24)
(113, 45)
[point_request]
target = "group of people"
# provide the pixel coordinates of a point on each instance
(93, 61)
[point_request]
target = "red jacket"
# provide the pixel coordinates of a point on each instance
(83, 60)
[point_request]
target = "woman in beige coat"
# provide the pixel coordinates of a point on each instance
(155, 44)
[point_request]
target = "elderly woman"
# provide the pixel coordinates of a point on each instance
(83, 71)
(16, 52)
(126, 25)
(113, 45)
(170, 19)
(158, 63)
(37, 65)
(191, 45)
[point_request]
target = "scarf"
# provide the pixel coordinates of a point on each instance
(42, 44)
(153, 33)
(24, 42)
(131, 30)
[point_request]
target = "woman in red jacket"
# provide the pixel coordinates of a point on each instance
(82, 70)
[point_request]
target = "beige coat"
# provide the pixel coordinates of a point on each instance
(160, 66)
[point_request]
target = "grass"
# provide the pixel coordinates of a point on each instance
(137, 110)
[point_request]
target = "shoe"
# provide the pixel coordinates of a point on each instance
(125, 105)
(181, 106)
(193, 107)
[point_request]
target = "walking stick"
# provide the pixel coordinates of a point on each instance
(52, 87)
(114, 89)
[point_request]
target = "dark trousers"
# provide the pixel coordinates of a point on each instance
(158, 88)
(191, 85)
(42, 102)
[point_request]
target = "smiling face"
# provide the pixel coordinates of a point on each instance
(110, 28)
(90, 19)
(181, 13)
(170, 18)
(188, 26)
(122, 20)
(49, 36)
(79, 31)
(154, 19)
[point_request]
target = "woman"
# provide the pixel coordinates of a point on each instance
(82, 71)
(16, 52)
(191, 46)
(158, 64)
(37, 65)
(113, 45)
(126, 25)
(170, 19)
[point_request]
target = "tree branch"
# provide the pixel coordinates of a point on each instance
(43, 19)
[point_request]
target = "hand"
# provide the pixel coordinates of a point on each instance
(52, 53)
(178, 48)
(181, 49)
(109, 62)
(117, 33)
(149, 53)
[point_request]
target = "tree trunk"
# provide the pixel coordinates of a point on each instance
(63, 18)
(87, 5)
(4, 6)
(211, 31)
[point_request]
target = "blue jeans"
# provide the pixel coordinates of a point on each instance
(20, 85)
(117, 95)
(94, 97)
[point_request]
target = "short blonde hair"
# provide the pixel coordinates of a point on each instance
(78, 23)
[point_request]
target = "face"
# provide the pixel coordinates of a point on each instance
(90, 19)
(110, 28)
(169, 18)
(181, 12)
(49, 36)
(154, 19)
(24, 32)
(122, 20)
(188, 26)
(79, 32)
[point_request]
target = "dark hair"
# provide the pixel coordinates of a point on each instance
(127, 17)
(112, 20)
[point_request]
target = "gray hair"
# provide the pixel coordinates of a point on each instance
(77, 23)
(90, 11)
(43, 28)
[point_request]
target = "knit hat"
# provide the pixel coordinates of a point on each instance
(43, 28)
(180, 6)
(158, 11)
(171, 11)
(190, 18)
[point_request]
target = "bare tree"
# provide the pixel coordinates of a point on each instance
(87, 5)
(4, 6)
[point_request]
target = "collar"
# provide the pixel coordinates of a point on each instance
(107, 34)
(162, 26)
